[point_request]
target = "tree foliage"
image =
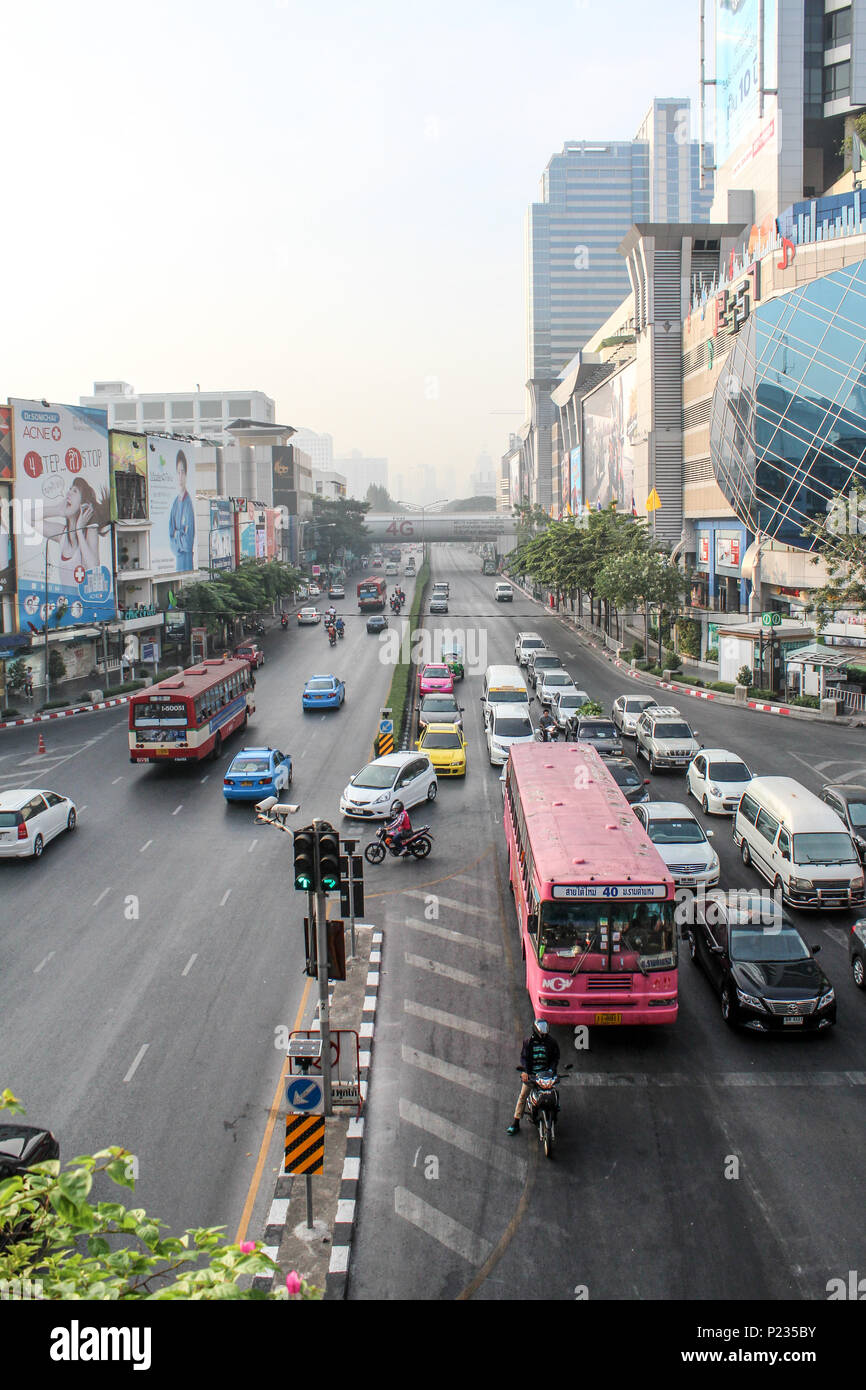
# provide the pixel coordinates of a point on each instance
(840, 541)
(344, 519)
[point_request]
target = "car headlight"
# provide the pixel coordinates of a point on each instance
(828, 997)
(386, 796)
(802, 885)
(857, 884)
(714, 790)
(751, 1001)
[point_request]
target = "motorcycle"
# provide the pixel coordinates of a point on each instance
(542, 1105)
(341, 630)
(547, 735)
(284, 622)
(419, 844)
(332, 638)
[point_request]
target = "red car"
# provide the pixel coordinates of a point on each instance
(435, 679)
(251, 652)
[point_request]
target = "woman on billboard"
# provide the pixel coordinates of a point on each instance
(181, 521)
(73, 526)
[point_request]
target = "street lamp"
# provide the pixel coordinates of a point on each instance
(428, 506)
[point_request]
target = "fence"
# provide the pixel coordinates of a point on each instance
(853, 699)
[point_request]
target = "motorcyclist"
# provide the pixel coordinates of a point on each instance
(399, 827)
(540, 1053)
(284, 622)
(340, 626)
(332, 633)
(547, 726)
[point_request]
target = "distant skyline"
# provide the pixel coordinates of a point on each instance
(322, 203)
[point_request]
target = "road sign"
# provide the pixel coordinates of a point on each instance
(386, 737)
(305, 1144)
(653, 502)
(345, 1055)
(305, 1095)
(771, 620)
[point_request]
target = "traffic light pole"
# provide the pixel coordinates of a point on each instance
(322, 962)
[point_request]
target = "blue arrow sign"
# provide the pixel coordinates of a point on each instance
(305, 1095)
(386, 726)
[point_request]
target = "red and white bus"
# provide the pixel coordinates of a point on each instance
(371, 594)
(594, 900)
(188, 716)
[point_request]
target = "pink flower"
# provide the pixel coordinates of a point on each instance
(247, 1247)
(293, 1284)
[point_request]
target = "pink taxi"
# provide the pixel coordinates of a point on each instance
(435, 679)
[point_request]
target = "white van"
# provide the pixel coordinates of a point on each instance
(503, 593)
(799, 844)
(504, 685)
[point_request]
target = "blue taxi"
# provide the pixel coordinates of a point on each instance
(323, 692)
(255, 773)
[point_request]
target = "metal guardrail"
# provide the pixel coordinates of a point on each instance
(852, 699)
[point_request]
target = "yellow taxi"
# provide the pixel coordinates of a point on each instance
(445, 746)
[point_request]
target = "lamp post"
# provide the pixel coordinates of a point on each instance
(428, 506)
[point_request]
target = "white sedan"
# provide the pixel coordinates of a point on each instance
(29, 818)
(309, 617)
(551, 683)
(407, 777)
(566, 704)
(717, 779)
(682, 843)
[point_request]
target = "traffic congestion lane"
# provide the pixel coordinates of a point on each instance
(648, 1124)
(112, 986)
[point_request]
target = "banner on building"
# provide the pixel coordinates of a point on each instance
(221, 547)
(576, 482)
(7, 542)
(5, 444)
(738, 53)
(62, 480)
(703, 548)
(728, 549)
(171, 490)
(128, 458)
(609, 432)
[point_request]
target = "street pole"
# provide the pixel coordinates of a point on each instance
(47, 678)
(322, 963)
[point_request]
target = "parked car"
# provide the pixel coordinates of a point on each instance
(21, 1147)
(627, 709)
(29, 818)
(682, 843)
(440, 709)
(665, 738)
(717, 778)
(765, 975)
(848, 800)
(251, 652)
(406, 777)
(627, 777)
(525, 643)
(601, 733)
(255, 773)
(377, 622)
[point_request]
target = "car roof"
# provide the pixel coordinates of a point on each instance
(524, 636)
(665, 712)
(322, 676)
(722, 755)
(854, 791)
(15, 797)
(442, 728)
(393, 759)
(253, 752)
(664, 810)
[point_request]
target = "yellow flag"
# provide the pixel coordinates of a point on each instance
(653, 502)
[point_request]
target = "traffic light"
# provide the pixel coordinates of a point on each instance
(305, 859)
(329, 861)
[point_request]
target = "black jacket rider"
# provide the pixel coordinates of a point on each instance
(539, 1054)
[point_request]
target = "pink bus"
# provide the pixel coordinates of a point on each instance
(594, 900)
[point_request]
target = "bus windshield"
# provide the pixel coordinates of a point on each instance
(593, 936)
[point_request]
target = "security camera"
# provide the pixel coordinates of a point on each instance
(264, 808)
(284, 810)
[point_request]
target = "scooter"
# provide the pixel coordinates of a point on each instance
(284, 622)
(419, 844)
(547, 735)
(341, 630)
(542, 1105)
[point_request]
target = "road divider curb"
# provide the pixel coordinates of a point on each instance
(63, 713)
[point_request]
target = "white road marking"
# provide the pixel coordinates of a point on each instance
(45, 961)
(252, 846)
(205, 778)
(225, 897)
(444, 1229)
(133, 1068)
(473, 942)
(472, 1144)
(839, 935)
(193, 958)
(458, 1076)
(116, 780)
(145, 846)
(451, 902)
(278, 1212)
(460, 977)
(446, 1020)
(102, 895)
(81, 808)
(177, 808)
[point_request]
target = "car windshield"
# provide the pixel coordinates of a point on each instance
(769, 943)
(729, 772)
(512, 728)
(438, 740)
(603, 936)
(438, 704)
(636, 706)
(558, 678)
(599, 729)
(8, 818)
(546, 663)
(824, 847)
(507, 697)
(376, 777)
(531, 643)
(320, 685)
(437, 673)
(672, 731)
(569, 701)
(857, 812)
(625, 775)
(245, 767)
(680, 830)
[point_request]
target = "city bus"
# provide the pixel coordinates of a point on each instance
(595, 902)
(187, 717)
(371, 594)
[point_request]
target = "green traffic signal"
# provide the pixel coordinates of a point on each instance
(305, 859)
(329, 860)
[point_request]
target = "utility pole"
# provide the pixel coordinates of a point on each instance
(322, 966)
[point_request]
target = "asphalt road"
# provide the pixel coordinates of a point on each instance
(149, 957)
(692, 1162)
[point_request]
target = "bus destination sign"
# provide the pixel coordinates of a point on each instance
(614, 891)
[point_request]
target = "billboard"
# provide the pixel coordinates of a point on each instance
(737, 70)
(285, 491)
(7, 544)
(62, 473)
(609, 429)
(728, 549)
(171, 489)
(564, 482)
(576, 482)
(514, 489)
(5, 443)
(221, 549)
(128, 458)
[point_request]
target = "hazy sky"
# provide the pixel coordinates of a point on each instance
(323, 201)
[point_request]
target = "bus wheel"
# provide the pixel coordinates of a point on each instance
(217, 747)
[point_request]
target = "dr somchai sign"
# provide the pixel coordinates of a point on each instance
(62, 473)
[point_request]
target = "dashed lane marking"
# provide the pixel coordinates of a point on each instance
(474, 943)
(145, 846)
(177, 809)
(43, 962)
(460, 1025)
(190, 963)
(458, 1076)
(460, 977)
(102, 895)
(225, 897)
(442, 1228)
(252, 846)
(132, 1070)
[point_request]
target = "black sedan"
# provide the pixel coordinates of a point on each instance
(627, 777)
(857, 952)
(20, 1147)
(377, 622)
(849, 803)
(759, 965)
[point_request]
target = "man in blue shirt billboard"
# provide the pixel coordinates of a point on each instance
(181, 522)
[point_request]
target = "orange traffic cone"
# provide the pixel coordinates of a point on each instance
(40, 748)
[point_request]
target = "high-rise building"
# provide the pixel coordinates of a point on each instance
(318, 447)
(591, 195)
(360, 472)
(483, 480)
(206, 413)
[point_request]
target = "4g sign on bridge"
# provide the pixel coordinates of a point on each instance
(440, 526)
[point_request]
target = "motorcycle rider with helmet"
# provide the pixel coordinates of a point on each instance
(547, 726)
(399, 827)
(340, 626)
(540, 1053)
(284, 622)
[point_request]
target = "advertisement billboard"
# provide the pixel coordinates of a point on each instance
(7, 544)
(564, 482)
(62, 474)
(703, 548)
(576, 482)
(728, 549)
(285, 491)
(609, 429)
(5, 444)
(221, 549)
(128, 458)
(738, 70)
(171, 489)
(246, 538)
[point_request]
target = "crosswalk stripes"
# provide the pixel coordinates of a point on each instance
(459, 938)
(446, 1020)
(457, 1076)
(509, 1163)
(450, 972)
(443, 1228)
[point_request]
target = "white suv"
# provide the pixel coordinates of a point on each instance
(664, 737)
(526, 642)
